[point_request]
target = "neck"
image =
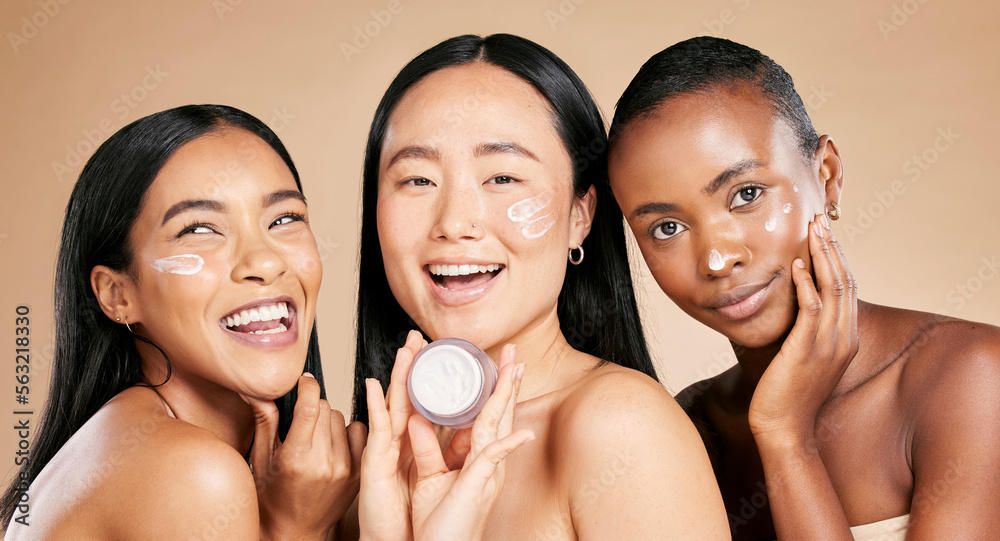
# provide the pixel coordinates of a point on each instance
(219, 410)
(544, 351)
(754, 361)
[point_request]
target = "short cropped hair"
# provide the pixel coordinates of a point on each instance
(703, 65)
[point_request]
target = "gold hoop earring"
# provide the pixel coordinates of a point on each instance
(576, 260)
(834, 213)
(118, 319)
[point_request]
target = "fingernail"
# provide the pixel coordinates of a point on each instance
(818, 228)
(826, 221)
(800, 264)
(513, 351)
(308, 375)
(520, 371)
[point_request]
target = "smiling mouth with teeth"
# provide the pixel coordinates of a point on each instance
(455, 277)
(264, 319)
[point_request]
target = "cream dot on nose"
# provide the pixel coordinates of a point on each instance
(715, 261)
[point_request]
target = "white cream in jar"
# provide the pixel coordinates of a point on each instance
(450, 381)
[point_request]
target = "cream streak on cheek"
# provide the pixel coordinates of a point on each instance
(531, 212)
(179, 264)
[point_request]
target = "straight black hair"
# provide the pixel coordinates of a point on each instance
(96, 358)
(597, 309)
(703, 65)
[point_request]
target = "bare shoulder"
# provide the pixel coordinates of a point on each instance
(619, 413)
(613, 396)
(696, 399)
(950, 393)
(950, 358)
(182, 479)
(627, 453)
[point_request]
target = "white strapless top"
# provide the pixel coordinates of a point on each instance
(890, 529)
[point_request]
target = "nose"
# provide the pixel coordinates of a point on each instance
(257, 260)
(459, 213)
(720, 254)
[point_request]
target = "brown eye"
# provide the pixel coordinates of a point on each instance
(199, 229)
(666, 230)
(746, 195)
(288, 218)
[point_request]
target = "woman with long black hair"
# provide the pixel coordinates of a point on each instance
(186, 286)
(487, 216)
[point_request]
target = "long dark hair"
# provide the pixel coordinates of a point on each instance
(96, 358)
(597, 309)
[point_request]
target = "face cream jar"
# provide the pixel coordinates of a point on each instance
(449, 382)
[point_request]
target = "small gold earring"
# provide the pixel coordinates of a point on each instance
(834, 213)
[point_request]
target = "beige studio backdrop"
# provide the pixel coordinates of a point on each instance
(907, 88)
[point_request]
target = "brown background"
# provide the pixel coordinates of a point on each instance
(884, 77)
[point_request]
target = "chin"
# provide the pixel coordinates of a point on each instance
(755, 341)
(756, 335)
(276, 384)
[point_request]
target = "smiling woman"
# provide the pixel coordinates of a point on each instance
(185, 298)
(478, 204)
(842, 419)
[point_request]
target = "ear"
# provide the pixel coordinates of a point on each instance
(582, 217)
(115, 292)
(830, 170)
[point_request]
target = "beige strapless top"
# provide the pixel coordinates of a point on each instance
(890, 529)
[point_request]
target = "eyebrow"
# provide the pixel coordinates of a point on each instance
(503, 147)
(414, 152)
(217, 206)
(192, 204)
(284, 195)
(734, 170)
(653, 208)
